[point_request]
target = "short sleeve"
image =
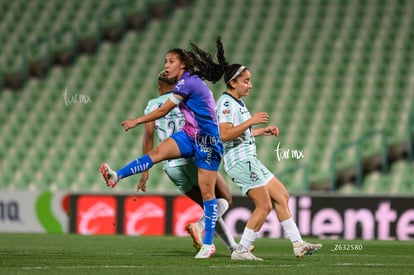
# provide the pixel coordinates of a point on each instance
(151, 106)
(225, 112)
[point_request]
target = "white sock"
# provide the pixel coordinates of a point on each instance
(224, 234)
(200, 222)
(222, 206)
(292, 231)
(248, 237)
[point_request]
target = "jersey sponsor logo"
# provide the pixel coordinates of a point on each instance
(243, 111)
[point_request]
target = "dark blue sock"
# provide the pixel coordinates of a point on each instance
(210, 218)
(134, 167)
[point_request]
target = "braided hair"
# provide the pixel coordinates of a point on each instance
(163, 77)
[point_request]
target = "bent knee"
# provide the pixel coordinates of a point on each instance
(283, 202)
(265, 208)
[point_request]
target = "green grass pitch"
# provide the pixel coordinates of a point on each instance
(74, 254)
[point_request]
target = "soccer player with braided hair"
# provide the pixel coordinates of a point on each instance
(199, 137)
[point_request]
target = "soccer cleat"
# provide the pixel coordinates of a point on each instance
(244, 256)
(305, 248)
(251, 248)
(206, 251)
(196, 232)
(110, 176)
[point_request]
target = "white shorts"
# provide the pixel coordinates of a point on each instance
(185, 177)
(249, 174)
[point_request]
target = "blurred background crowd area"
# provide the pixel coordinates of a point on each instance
(335, 76)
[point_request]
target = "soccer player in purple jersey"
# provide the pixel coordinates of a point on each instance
(183, 172)
(199, 137)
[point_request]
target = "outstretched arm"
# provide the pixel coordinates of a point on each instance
(152, 116)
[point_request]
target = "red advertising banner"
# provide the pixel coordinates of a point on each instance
(184, 211)
(96, 215)
(144, 215)
(332, 217)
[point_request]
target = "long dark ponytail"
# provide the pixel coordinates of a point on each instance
(206, 67)
(201, 63)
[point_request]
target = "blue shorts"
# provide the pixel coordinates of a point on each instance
(206, 150)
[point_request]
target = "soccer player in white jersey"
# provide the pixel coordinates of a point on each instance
(238, 133)
(182, 171)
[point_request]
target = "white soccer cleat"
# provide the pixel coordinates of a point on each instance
(109, 175)
(305, 248)
(206, 251)
(196, 233)
(244, 256)
(251, 248)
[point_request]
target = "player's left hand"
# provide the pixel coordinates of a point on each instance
(271, 131)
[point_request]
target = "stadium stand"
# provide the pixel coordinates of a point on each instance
(328, 72)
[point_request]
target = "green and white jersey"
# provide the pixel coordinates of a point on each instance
(167, 125)
(234, 111)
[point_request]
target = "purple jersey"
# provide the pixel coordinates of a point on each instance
(198, 106)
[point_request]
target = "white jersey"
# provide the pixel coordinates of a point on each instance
(231, 110)
(167, 125)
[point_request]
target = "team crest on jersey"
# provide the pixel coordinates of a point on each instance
(226, 112)
(253, 176)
